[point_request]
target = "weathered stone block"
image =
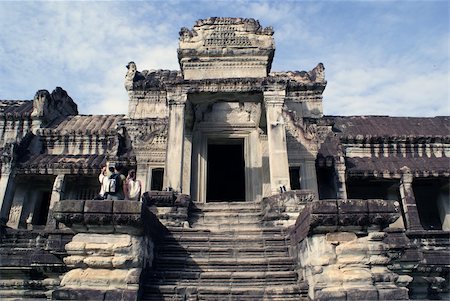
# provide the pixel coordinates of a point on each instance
(363, 293)
(76, 248)
(98, 219)
(78, 294)
(337, 237)
(327, 206)
(98, 206)
(127, 207)
(351, 259)
(395, 293)
(73, 206)
(98, 262)
(75, 261)
(356, 274)
(121, 295)
(330, 294)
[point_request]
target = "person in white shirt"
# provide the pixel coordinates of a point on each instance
(132, 187)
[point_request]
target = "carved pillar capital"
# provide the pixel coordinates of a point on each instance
(274, 98)
(406, 176)
(177, 97)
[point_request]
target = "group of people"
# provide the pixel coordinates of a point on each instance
(115, 186)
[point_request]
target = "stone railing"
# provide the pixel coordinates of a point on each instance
(283, 208)
(331, 215)
(343, 250)
(111, 247)
(172, 209)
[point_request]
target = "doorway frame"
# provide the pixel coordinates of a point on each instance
(199, 158)
(227, 141)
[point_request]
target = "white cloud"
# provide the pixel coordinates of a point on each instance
(380, 61)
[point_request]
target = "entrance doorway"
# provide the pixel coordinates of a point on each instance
(225, 171)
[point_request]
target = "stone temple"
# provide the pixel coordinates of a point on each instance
(250, 192)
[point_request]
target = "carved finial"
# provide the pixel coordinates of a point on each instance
(318, 73)
(40, 103)
(185, 34)
(129, 77)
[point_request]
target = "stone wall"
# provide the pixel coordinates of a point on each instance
(109, 251)
(341, 251)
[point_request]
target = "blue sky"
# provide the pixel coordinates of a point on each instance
(381, 57)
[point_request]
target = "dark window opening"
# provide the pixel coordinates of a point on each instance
(41, 208)
(294, 177)
(372, 188)
(157, 179)
(430, 195)
(326, 182)
(226, 171)
(81, 187)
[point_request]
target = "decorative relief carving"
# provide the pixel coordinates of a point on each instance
(305, 132)
(146, 132)
(228, 112)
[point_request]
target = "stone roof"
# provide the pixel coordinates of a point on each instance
(65, 161)
(366, 127)
(83, 125)
(421, 166)
(16, 108)
(378, 129)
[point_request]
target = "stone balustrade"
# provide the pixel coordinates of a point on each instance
(109, 251)
(341, 250)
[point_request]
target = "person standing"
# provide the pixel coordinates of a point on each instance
(103, 179)
(116, 184)
(132, 187)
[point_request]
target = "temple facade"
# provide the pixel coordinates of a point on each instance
(227, 150)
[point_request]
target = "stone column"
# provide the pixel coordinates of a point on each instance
(309, 177)
(57, 195)
(6, 190)
(409, 202)
(339, 166)
(175, 141)
(276, 135)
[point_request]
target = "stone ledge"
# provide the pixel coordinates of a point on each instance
(337, 215)
(100, 216)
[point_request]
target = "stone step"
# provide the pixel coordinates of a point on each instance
(225, 218)
(236, 240)
(227, 205)
(219, 248)
(220, 292)
(235, 277)
(217, 263)
(262, 230)
(224, 252)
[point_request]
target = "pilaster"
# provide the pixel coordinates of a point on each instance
(339, 166)
(175, 143)
(6, 190)
(276, 134)
(57, 195)
(309, 177)
(409, 202)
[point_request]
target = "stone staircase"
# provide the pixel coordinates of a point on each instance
(27, 269)
(226, 255)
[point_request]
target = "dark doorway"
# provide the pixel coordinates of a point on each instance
(430, 194)
(41, 208)
(294, 176)
(226, 171)
(157, 179)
